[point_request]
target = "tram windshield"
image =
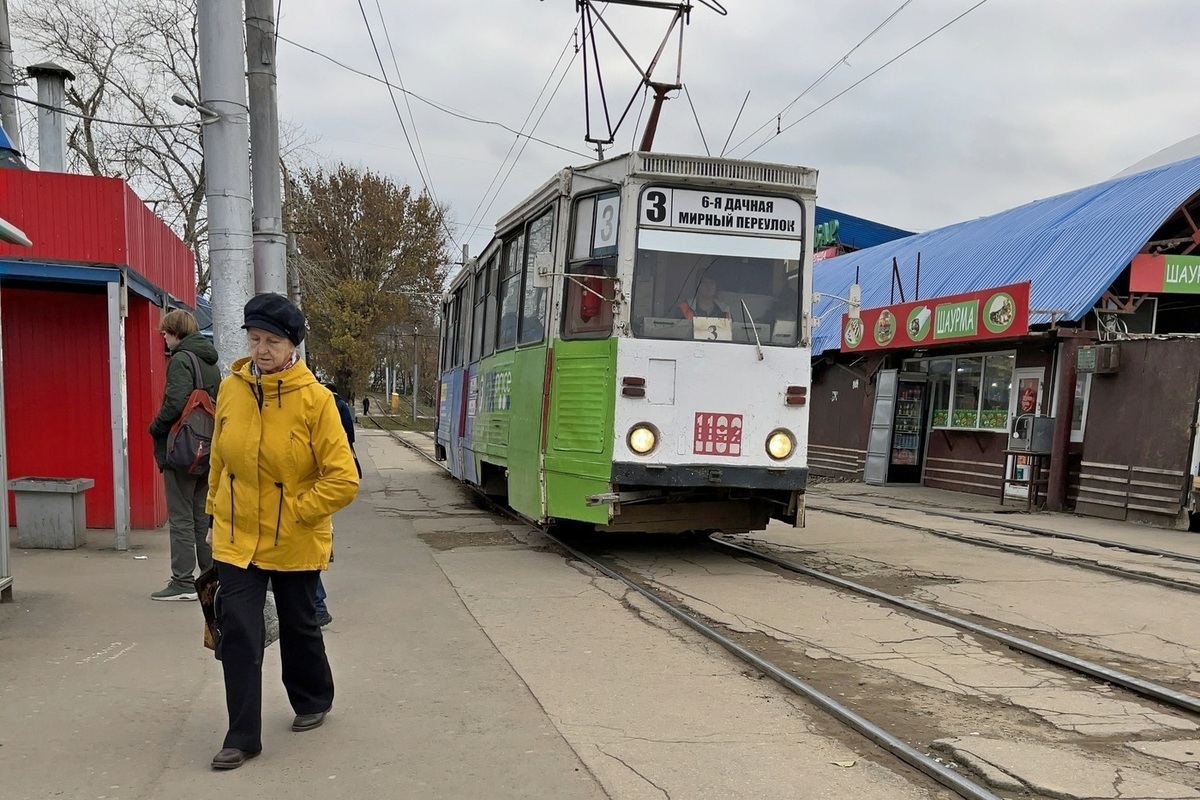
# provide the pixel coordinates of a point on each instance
(716, 287)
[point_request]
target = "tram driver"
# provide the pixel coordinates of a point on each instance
(703, 303)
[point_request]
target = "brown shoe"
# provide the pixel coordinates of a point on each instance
(306, 722)
(232, 758)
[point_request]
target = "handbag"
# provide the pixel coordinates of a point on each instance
(208, 591)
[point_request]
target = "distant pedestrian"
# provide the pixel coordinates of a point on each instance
(185, 492)
(281, 466)
(366, 405)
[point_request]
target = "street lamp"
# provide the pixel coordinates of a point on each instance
(207, 115)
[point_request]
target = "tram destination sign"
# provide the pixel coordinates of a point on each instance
(998, 313)
(1165, 274)
(721, 212)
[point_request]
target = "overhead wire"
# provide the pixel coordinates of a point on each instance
(101, 120)
(400, 80)
(866, 77)
(476, 216)
(425, 182)
(431, 103)
(696, 116)
(844, 59)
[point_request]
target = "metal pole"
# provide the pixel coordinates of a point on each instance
(118, 411)
(52, 131)
(292, 266)
(227, 171)
(8, 105)
(416, 367)
(270, 245)
(1056, 490)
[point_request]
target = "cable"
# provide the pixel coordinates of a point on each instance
(866, 77)
(77, 115)
(395, 105)
(400, 80)
(824, 74)
(525, 143)
(476, 216)
(688, 95)
(431, 103)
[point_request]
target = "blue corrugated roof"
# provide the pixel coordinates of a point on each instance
(1072, 247)
(857, 232)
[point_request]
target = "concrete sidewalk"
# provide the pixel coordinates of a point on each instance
(107, 694)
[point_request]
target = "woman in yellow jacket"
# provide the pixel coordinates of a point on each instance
(280, 468)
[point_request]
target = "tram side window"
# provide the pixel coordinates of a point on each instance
(489, 306)
(589, 310)
(533, 306)
(462, 314)
(450, 330)
(510, 292)
(480, 314)
(444, 344)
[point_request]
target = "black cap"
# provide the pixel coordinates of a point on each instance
(276, 314)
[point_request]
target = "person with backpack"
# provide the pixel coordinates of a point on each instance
(191, 368)
(281, 467)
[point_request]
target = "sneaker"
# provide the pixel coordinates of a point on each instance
(324, 618)
(174, 592)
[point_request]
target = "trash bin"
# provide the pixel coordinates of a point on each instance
(50, 512)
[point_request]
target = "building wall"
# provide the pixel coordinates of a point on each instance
(82, 219)
(1138, 436)
(56, 391)
(146, 361)
(56, 380)
(839, 416)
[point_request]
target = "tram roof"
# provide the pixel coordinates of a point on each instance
(1072, 247)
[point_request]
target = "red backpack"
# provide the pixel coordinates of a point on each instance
(190, 438)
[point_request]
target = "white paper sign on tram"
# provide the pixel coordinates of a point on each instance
(716, 212)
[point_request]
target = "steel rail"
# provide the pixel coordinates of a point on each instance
(945, 776)
(1074, 537)
(1145, 577)
(888, 741)
(1133, 683)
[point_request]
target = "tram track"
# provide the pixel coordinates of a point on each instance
(936, 769)
(1073, 561)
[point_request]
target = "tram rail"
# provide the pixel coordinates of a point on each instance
(935, 769)
(1073, 561)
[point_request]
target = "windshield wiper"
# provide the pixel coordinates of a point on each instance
(753, 327)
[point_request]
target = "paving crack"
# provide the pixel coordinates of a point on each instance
(635, 771)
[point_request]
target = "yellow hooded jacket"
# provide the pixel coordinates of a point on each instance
(280, 467)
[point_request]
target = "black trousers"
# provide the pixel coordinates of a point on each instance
(306, 674)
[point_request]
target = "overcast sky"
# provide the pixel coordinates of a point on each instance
(1021, 99)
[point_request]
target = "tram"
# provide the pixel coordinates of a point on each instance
(631, 351)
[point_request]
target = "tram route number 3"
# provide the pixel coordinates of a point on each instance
(717, 434)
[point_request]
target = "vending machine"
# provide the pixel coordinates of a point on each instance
(908, 431)
(896, 443)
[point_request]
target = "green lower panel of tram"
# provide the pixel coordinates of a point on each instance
(579, 441)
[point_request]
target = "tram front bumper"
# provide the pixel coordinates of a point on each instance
(714, 475)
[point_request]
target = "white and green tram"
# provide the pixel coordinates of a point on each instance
(632, 349)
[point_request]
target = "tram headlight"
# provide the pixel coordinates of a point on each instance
(642, 439)
(780, 444)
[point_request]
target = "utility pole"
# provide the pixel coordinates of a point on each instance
(416, 367)
(8, 105)
(227, 170)
(270, 245)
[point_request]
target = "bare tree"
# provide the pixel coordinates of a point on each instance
(129, 57)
